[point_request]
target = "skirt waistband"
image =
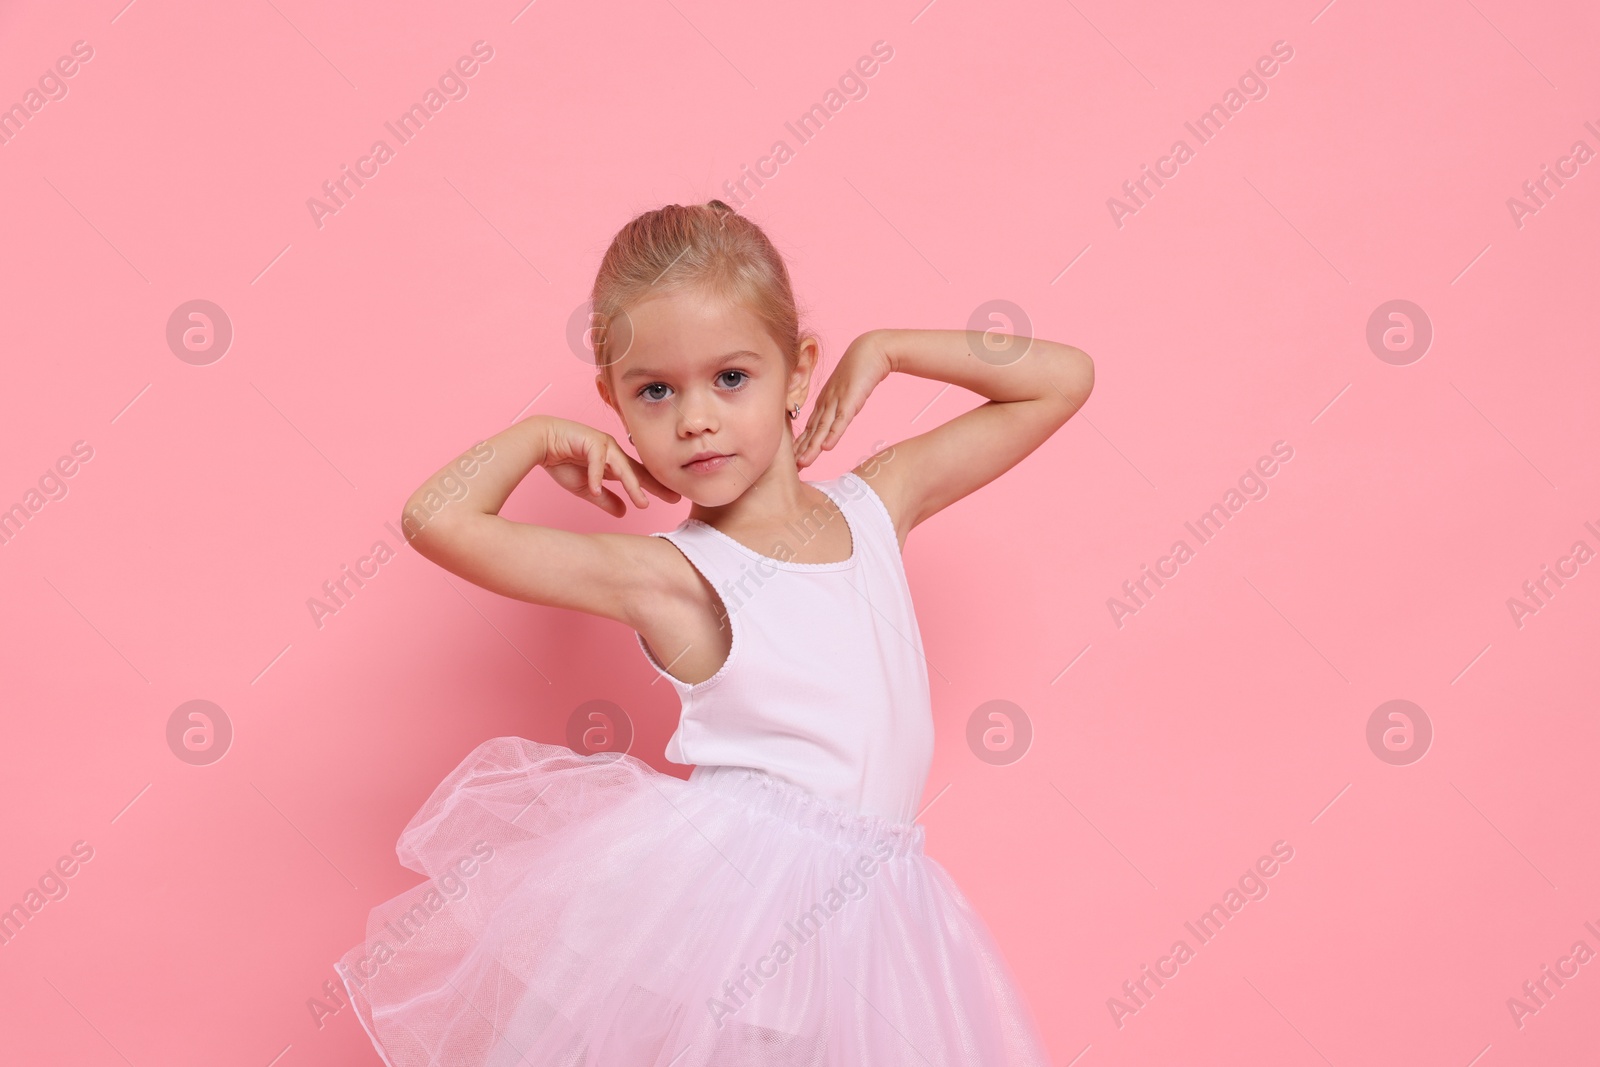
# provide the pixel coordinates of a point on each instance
(761, 791)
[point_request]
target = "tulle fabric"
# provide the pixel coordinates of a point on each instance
(591, 911)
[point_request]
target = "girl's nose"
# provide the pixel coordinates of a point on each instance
(694, 416)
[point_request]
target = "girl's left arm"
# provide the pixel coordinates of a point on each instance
(1030, 396)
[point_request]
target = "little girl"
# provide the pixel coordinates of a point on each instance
(775, 908)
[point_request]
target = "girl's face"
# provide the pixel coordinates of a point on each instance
(701, 375)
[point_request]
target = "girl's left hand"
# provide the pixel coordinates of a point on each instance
(864, 364)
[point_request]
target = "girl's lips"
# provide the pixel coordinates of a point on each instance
(706, 466)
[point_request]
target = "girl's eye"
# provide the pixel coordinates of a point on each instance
(646, 393)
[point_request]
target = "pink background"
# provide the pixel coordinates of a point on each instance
(1228, 313)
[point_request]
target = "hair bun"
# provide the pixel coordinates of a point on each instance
(718, 205)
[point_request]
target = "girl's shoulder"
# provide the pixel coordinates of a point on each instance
(877, 495)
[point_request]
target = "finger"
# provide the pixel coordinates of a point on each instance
(626, 475)
(610, 503)
(819, 415)
(840, 421)
(824, 428)
(812, 425)
(803, 445)
(811, 428)
(654, 485)
(808, 451)
(597, 467)
(616, 466)
(636, 492)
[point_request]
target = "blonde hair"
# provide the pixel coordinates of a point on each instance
(707, 247)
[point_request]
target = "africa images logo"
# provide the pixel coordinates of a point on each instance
(849, 886)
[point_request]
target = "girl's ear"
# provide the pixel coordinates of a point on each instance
(604, 389)
(805, 363)
(605, 392)
(811, 350)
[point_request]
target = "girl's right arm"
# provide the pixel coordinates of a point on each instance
(453, 519)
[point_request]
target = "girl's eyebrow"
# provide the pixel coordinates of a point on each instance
(720, 361)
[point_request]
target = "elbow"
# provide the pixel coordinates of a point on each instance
(1082, 362)
(1084, 367)
(432, 522)
(1072, 380)
(413, 517)
(420, 524)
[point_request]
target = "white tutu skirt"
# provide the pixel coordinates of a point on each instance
(591, 911)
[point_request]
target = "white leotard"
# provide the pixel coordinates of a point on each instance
(826, 684)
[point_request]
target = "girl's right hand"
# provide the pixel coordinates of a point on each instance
(581, 458)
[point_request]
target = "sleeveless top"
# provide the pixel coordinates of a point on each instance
(825, 685)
